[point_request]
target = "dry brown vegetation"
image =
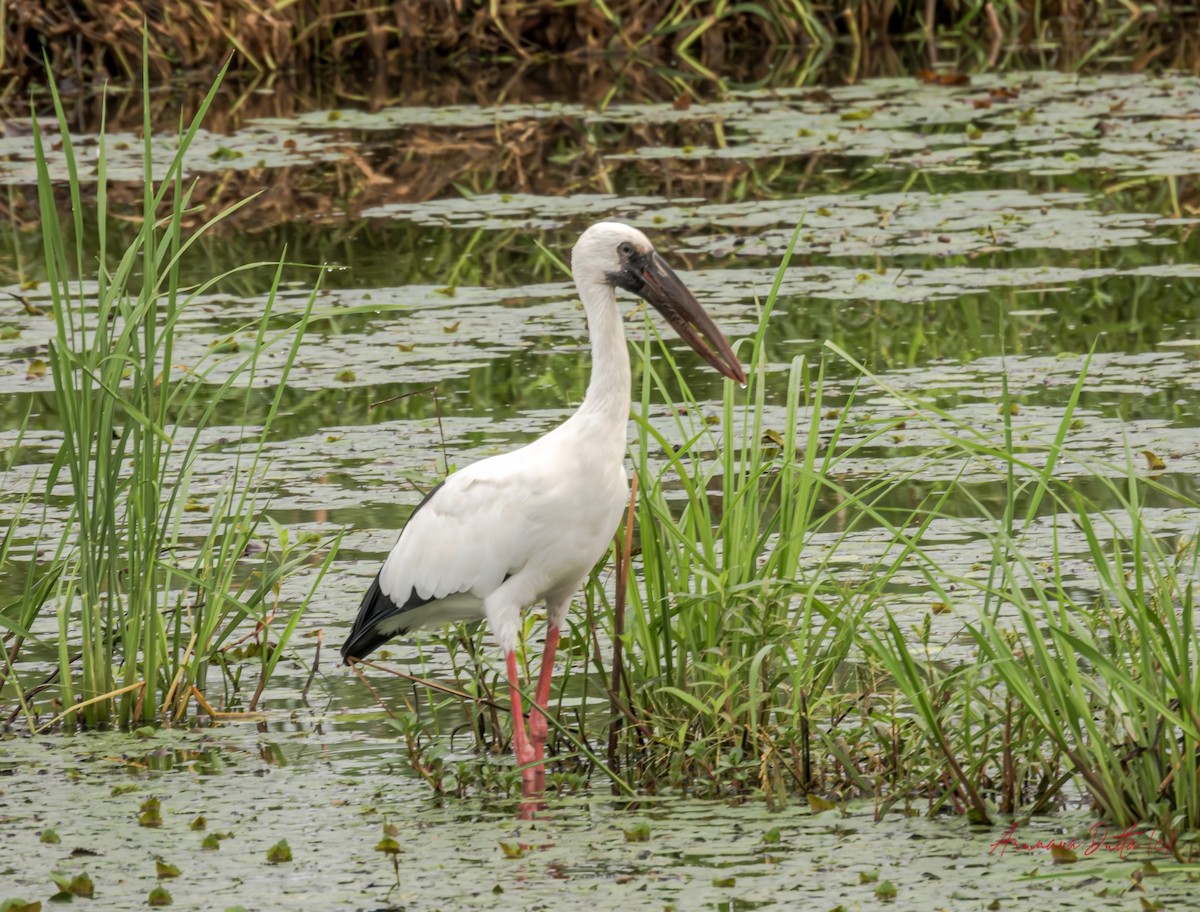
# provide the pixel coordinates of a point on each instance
(546, 156)
(425, 163)
(92, 39)
(549, 156)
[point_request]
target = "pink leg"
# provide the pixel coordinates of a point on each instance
(539, 726)
(521, 746)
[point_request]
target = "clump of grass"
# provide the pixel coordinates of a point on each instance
(141, 611)
(1110, 680)
(1089, 686)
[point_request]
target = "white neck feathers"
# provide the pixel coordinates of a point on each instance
(609, 389)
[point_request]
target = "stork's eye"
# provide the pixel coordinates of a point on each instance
(625, 249)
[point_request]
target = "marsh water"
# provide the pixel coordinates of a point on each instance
(951, 236)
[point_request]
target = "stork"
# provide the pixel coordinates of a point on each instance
(524, 527)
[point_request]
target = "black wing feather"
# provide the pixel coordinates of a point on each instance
(377, 608)
(365, 636)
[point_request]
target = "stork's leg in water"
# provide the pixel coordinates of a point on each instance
(539, 724)
(521, 746)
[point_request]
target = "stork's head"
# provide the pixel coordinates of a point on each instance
(622, 257)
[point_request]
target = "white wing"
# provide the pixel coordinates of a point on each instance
(546, 511)
(467, 537)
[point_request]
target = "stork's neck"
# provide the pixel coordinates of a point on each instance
(609, 389)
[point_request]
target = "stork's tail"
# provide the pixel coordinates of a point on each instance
(367, 634)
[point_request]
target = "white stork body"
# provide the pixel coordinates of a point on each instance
(557, 500)
(528, 526)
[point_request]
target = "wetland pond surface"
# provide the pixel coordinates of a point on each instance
(950, 236)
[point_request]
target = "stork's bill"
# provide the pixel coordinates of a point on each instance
(647, 275)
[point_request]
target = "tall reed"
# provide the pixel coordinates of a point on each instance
(141, 610)
(1093, 680)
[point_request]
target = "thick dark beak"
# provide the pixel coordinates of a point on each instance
(670, 297)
